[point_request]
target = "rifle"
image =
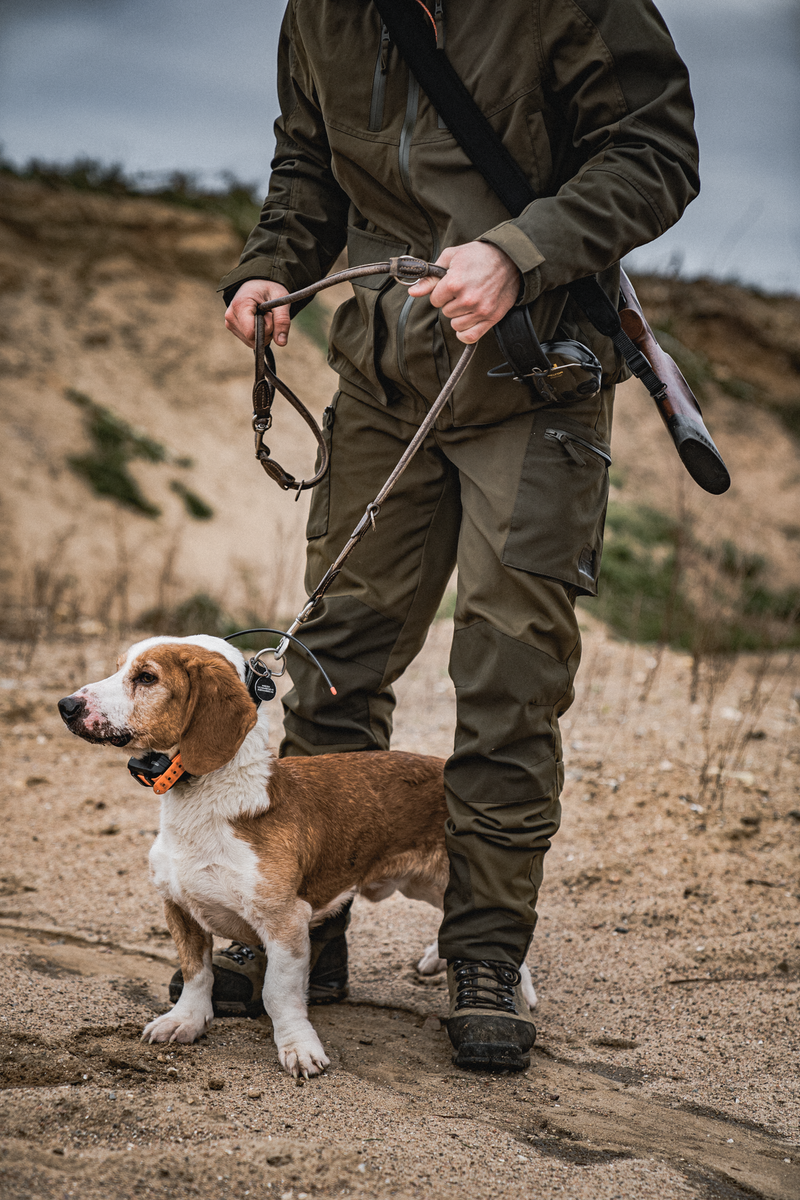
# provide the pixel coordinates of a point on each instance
(676, 403)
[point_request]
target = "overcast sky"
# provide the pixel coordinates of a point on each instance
(190, 84)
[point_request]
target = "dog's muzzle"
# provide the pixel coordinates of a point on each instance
(72, 710)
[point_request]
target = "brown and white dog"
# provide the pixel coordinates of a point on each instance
(256, 848)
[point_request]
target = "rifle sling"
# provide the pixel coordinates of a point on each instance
(414, 37)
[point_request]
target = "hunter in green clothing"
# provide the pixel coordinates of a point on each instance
(592, 100)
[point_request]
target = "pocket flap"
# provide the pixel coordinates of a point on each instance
(363, 248)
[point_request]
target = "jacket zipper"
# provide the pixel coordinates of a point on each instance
(441, 37)
(379, 83)
(568, 441)
(404, 154)
(438, 16)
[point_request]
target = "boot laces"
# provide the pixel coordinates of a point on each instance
(485, 984)
(238, 951)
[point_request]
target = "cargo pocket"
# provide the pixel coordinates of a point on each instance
(317, 524)
(358, 329)
(559, 513)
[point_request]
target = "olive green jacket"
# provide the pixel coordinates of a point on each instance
(589, 96)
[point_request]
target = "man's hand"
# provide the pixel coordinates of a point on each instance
(240, 315)
(481, 285)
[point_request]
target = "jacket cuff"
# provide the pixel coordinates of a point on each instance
(261, 267)
(525, 256)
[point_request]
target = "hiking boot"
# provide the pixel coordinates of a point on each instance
(239, 975)
(238, 980)
(490, 1022)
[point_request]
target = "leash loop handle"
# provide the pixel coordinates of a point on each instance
(405, 269)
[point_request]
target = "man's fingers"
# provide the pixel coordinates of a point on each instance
(280, 324)
(426, 285)
(423, 287)
(473, 332)
(240, 321)
(240, 315)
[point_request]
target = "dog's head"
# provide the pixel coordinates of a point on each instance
(167, 692)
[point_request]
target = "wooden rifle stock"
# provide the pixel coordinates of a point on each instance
(677, 405)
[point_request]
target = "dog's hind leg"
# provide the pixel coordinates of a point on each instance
(288, 953)
(193, 1013)
(528, 990)
(430, 963)
(430, 888)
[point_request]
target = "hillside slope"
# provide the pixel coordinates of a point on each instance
(114, 359)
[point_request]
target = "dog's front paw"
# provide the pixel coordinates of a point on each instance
(430, 963)
(176, 1026)
(303, 1056)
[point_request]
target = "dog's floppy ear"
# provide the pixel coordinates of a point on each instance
(219, 712)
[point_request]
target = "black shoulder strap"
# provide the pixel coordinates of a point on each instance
(413, 32)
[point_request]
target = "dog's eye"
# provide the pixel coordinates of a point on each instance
(145, 677)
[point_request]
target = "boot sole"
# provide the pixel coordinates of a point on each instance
(491, 1056)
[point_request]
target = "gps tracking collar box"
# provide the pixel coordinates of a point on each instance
(157, 771)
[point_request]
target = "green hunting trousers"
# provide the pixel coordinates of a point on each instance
(518, 506)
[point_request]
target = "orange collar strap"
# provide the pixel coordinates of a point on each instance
(173, 773)
(157, 771)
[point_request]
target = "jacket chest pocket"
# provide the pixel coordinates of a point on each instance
(559, 513)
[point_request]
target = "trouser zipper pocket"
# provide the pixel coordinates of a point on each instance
(570, 442)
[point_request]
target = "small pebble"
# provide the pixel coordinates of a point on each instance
(172, 1070)
(299, 1083)
(254, 1093)
(216, 1085)
(60, 1150)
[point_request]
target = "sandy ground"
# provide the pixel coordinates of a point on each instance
(667, 962)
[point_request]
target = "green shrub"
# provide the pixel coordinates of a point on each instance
(237, 202)
(200, 613)
(659, 583)
(639, 596)
(313, 320)
(194, 505)
(115, 444)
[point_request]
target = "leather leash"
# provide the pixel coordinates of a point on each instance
(406, 270)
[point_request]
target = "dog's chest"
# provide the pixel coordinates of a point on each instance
(207, 871)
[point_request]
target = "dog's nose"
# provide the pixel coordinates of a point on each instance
(69, 708)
